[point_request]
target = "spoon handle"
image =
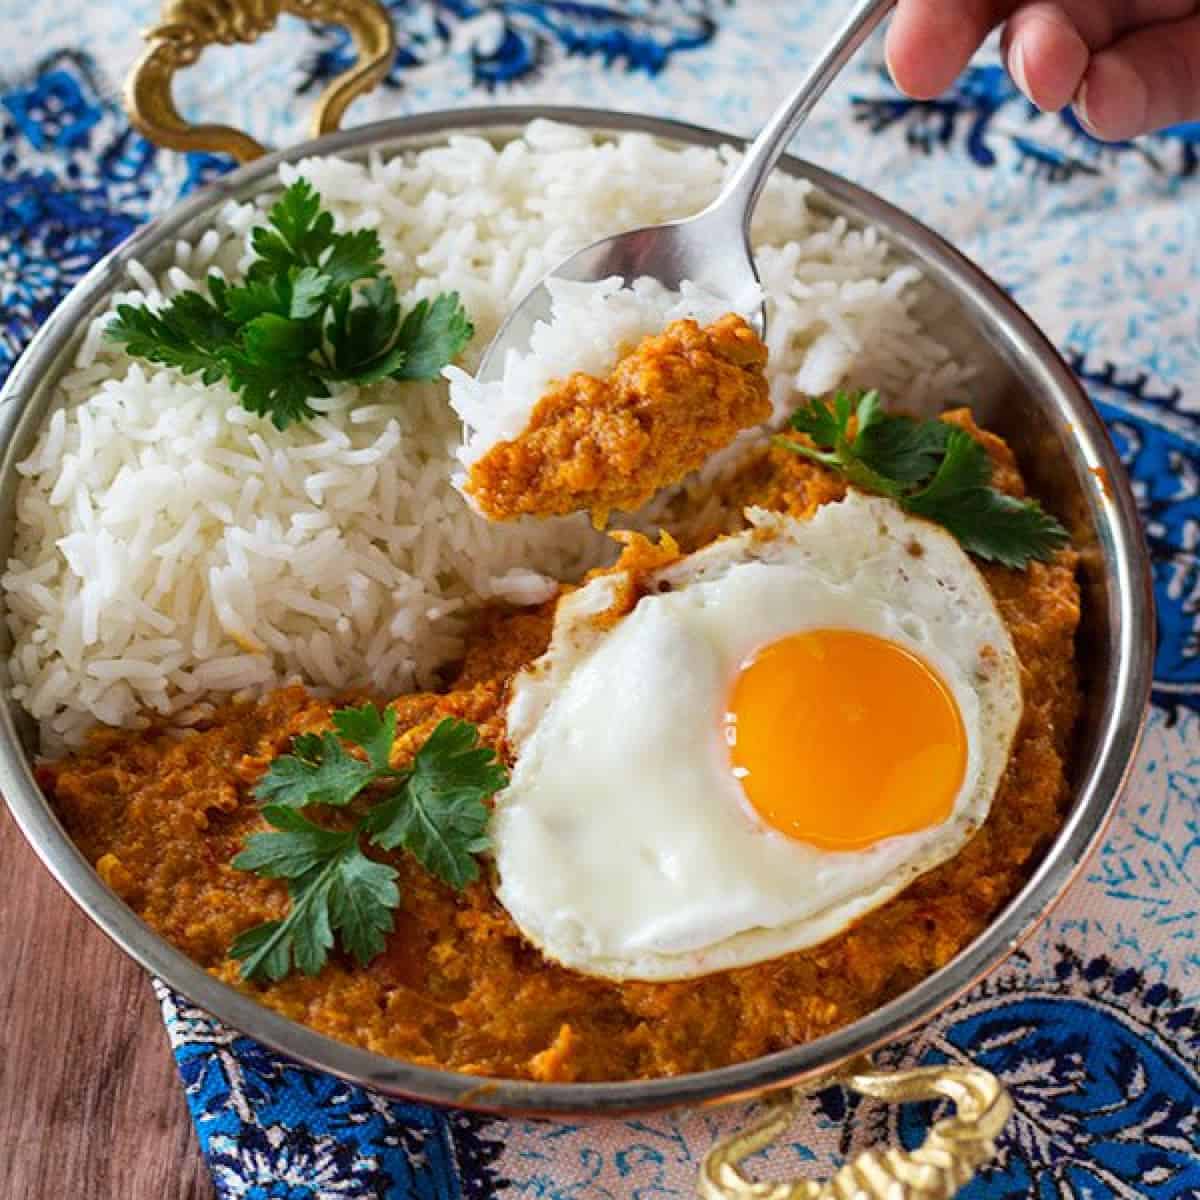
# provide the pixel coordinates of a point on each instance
(743, 190)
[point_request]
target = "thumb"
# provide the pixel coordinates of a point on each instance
(1143, 82)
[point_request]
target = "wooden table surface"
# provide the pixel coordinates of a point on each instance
(90, 1102)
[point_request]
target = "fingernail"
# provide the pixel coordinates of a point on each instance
(1016, 68)
(1081, 108)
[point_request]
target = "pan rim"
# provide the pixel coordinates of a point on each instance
(1096, 797)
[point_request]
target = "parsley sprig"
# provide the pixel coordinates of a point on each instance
(433, 809)
(931, 469)
(314, 309)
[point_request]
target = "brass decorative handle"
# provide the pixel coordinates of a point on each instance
(189, 26)
(947, 1160)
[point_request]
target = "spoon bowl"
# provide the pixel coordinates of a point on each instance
(711, 249)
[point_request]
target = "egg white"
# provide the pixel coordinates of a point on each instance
(624, 846)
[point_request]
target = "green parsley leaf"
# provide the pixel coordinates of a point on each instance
(869, 412)
(369, 728)
(297, 294)
(298, 322)
(274, 337)
(432, 335)
(186, 334)
(964, 468)
(862, 474)
(243, 304)
(335, 890)
(434, 810)
(828, 428)
(283, 395)
(902, 449)
(440, 817)
(298, 234)
(371, 343)
(361, 902)
(320, 771)
(931, 469)
(299, 848)
(1002, 528)
(824, 425)
(351, 257)
(361, 335)
(265, 951)
(309, 287)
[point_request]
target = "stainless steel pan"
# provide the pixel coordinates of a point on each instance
(1029, 396)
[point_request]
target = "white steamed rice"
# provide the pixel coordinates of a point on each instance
(172, 550)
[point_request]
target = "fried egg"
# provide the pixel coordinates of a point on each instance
(787, 728)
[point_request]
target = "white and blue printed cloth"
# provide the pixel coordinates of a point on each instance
(1095, 1025)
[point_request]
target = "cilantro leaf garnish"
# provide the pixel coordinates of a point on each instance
(335, 890)
(298, 234)
(434, 809)
(439, 818)
(372, 730)
(931, 469)
(902, 449)
(299, 321)
(318, 771)
(185, 335)
(1001, 528)
(277, 390)
(429, 330)
(361, 336)
(351, 257)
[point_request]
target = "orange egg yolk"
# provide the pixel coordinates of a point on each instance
(841, 738)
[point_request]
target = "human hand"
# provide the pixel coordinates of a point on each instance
(1128, 66)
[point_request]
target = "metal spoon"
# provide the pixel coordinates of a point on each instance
(713, 247)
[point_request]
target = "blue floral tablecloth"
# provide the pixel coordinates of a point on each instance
(1095, 1023)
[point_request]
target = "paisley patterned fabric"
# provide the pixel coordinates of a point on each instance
(1095, 1025)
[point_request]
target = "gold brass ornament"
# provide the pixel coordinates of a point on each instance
(947, 1160)
(189, 26)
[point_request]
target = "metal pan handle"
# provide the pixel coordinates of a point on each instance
(189, 26)
(947, 1160)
